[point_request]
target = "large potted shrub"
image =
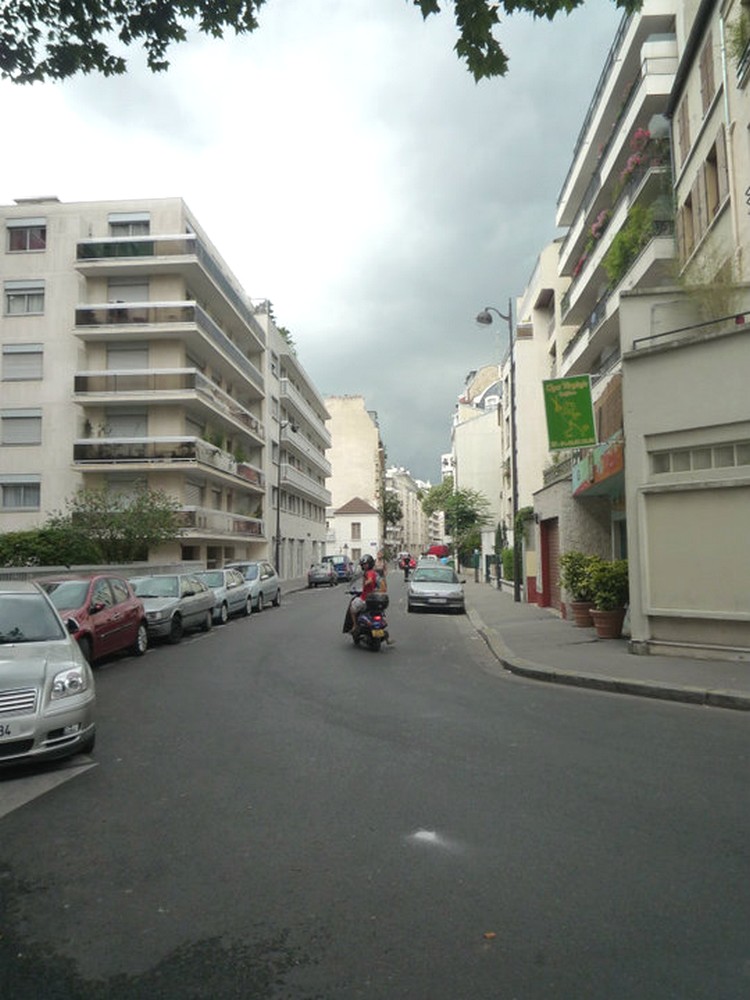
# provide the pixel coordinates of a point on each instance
(610, 591)
(574, 579)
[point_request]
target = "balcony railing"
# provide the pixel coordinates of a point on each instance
(109, 314)
(187, 245)
(183, 451)
(202, 519)
(163, 382)
(303, 408)
(305, 484)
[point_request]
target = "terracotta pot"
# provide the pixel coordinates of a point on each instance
(608, 624)
(581, 612)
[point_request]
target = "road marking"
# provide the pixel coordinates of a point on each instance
(16, 792)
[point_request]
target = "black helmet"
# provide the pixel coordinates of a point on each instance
(367, 562)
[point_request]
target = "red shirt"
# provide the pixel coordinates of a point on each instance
(369, 583)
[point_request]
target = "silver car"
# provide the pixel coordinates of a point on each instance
(232, 592)
(436, 587)
(265, 585)
(174, 603)
(47, 696)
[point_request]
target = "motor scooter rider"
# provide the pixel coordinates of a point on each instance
(369, 585)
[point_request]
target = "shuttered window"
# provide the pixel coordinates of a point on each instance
(22, 362)
(20, 427)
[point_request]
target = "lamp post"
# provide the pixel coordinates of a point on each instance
(485, 317)
(282, 426)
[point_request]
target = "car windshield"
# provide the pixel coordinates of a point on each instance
(28, 618)
(435, 574)
(214, 578)
(157, 586)
(67, 593)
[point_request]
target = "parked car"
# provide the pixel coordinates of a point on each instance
(232, 593)
(174, 603)
(344, 567)
(322, 573)
(265, 585)
(47, 696)
(110, 618)
(437, 587)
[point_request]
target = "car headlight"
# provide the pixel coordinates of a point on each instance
(69, 682)
(155, 616)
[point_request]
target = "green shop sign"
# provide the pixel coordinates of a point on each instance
(570, 412)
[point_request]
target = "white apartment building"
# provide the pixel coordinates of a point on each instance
(412, 534)
(131, 355)
(616, 204)
(686, 358)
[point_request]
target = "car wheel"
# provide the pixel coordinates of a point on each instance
(277, 600)
(247, 609)
(140, 645)
(176, 630)
(85, 646)
(223, 614)
(409, 608)
(208, 622)
(259, 605)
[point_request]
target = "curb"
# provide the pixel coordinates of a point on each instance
(598, 682)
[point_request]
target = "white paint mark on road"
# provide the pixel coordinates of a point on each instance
(432, 838)
(18, 791)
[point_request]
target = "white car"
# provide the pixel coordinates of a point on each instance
(174, 603)
(232, 593)
(265, 585)
(435, 587)
(47, 696)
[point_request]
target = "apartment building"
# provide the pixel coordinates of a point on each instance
(686, 357)
(616, 207)
(412, 534)
(131, 355)
(357, 458)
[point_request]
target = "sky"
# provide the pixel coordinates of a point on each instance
(348, 168)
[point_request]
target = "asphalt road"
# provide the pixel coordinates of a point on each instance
(271, 813)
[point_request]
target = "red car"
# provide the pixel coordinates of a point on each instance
(109, 616)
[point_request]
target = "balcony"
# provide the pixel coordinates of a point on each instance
(185, 321)
(183, 453)
(298, 443)
(297, 481)
(164, 385)
(298, 407)
(203, 521)
(132, 256)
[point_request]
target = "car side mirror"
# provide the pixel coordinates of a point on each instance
(71, 625)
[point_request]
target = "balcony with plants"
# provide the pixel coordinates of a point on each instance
(188, 387)
(182, 452)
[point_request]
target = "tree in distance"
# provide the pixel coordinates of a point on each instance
(49, 40)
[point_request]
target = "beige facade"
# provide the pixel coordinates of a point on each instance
(412, 534)
(131, 355)
(357, 458)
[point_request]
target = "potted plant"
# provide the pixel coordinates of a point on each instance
(575, 580)
(610, 591)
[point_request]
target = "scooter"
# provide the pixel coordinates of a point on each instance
(372, 626)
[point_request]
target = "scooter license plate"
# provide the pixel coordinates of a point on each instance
(378, 633)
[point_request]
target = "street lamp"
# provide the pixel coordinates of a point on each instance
(485, 317)
(282, 426)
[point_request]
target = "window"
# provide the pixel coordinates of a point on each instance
(129, 223)
(683, 130)
(127, 291)
(25, 235)
(20, 427)
(127, 356)
(22, 362)
(707, 74)
(20, 492)
(127, 423)
(356, 532)
(24, 298)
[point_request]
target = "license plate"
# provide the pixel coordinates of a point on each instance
(378, 633)
(438, 600)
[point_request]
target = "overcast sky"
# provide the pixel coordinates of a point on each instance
(349, 169)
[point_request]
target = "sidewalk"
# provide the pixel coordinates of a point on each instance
(534, 642)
